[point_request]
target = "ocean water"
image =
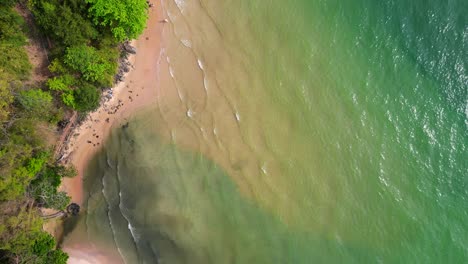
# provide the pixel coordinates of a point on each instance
(294, 132)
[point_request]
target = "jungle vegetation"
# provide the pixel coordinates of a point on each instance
(83, 38)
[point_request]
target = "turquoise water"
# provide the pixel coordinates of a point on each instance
(295, 132)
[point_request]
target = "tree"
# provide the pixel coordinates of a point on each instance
(80, 57)
(7, 3)
(43, 244)
(20, 227)
(36, 102)
(57, 257)
(68, 99)
(22, 239)
(68, 25)
(47, 196)
(125, 18)
(56, 66)
(15, 184)
(63, 86)
(44, 188)
(14, 63)
(5, 100)
(68, 172)
(93, 66)
(61, 83)
(86, 98)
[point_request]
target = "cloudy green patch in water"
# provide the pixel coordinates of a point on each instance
(172, 205)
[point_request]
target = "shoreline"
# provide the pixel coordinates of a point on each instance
(137, 90)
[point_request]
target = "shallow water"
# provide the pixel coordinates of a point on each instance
(295, 132)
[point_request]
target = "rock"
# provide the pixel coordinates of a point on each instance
(125, 68)
(129, 48)
(119, 77)
(73, 209)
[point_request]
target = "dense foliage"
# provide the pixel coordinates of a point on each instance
(23, 154)
(126, 19)
(44, 188)
(85, 53)
(83, 38)
(14, 62)
(22, 239)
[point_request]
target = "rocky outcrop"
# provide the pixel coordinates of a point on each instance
(129, 48)
(124, 64)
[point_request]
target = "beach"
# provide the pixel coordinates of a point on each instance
(138, 90)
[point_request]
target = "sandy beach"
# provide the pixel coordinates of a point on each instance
(139, 89)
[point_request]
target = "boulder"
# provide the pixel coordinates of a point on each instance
(129, 48)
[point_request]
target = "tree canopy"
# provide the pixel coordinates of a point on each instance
(22, 238)
(14, 63)
(86, 98)
(6, 98)
(126, 18)
(64, 23)
(35, 102)
(90, 63)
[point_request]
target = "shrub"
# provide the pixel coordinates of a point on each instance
(69, 99)
(43, 244)
(61, 83)
(86, 98)
(35, 102)
(90, 63)
(57, 257)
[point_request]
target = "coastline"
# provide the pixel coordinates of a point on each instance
(137, 90)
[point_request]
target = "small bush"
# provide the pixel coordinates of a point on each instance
(86, 98)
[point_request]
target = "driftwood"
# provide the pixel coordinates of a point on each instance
(67, 131)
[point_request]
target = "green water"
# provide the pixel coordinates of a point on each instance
(295, 132)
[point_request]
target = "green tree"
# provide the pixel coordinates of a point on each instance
(22, 239)
(14, 184)
(66, 24)
(44, 188)
(47, 196)
(86, 98)
(80, 57)
(57, 257)
(7, 3)
(69, 99)
(56, 66)
(93, 66)
(20, 227)
(5, 100)
(43, 244)
(36, 102)
(62, 83)
(125, 18)
(69, 171)
(14, 62)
